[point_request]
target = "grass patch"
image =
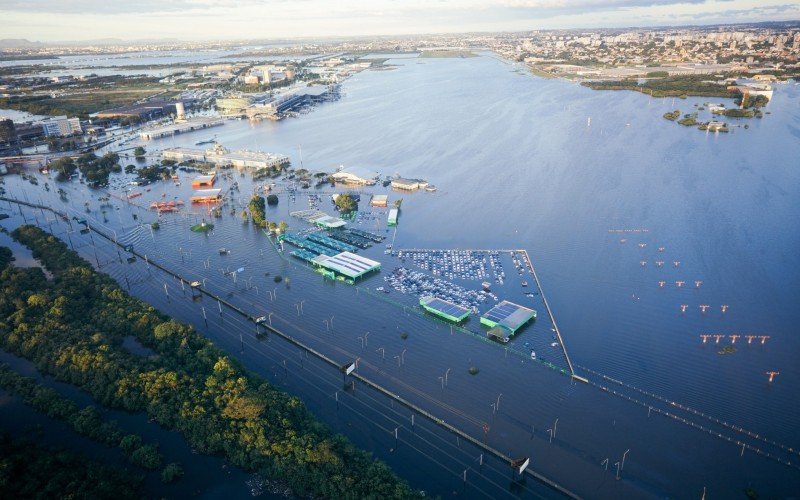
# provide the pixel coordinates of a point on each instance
(203, 227)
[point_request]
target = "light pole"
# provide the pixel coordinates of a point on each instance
(382, 351)
(445, 376)
(498, 400)
(622, 466)
(555, 429)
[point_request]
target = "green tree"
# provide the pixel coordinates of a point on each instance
(139, 152)
(272, 200)
(346, 204)
(64, 167)
(146, 456)
(257, 209)
(171, 473)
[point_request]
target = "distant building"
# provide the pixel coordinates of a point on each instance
(714, 126)
(379, 200)
(355, 175)
(204, 181)
(29, 131)
(8, 135)
(234, 105)
(144, 111)
(408, 184)
(180, 128)
(61, 126)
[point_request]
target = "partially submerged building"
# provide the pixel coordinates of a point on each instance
(206, 196)
(505, 319)
(444, 309)
(347, 264)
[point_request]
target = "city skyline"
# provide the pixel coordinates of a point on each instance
(51, 21)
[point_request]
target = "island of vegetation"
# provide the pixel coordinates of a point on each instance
(672, 115)
(203, 227)
(671, 86)
(72, 328)
(28, 470)
(688, 120)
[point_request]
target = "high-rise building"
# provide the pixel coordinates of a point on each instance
(8, 135)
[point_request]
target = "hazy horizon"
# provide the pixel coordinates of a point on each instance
(209, 20)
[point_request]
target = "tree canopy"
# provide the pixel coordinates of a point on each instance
(73, 329)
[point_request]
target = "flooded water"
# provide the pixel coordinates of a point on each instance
(518, 166)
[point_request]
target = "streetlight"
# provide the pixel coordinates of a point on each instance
(498, 400)
(366, 335)
(622, 466)
(445, 376)
(555, 428)
(382, 351)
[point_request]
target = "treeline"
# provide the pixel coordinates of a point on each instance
(74, 330)
(30, 471)
(95, 169)
(85, 421)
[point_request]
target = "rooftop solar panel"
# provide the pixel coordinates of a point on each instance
(509, 315)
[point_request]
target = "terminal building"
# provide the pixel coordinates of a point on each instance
(218, 155)
(180, 128)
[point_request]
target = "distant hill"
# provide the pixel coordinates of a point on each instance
(19, 43)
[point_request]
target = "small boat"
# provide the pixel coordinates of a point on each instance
(379, 289)
(533, 354)
(524, 283)
(224, 251)
(134, 195)
(195, 284)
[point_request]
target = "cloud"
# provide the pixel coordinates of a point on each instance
(353, 6)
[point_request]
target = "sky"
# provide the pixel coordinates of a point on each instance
(65, 20)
